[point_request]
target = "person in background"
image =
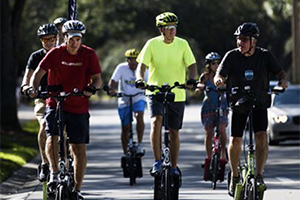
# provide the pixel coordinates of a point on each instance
(209, 107)
(124, 76)
(59, 23)
(168, 57)
(47, 34)
(248, 65)
(71, 65)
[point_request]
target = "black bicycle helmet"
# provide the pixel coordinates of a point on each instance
(73, 26)
(59, 21)
(46, 29)
(165, 19)
(212, 56)
(248, 29)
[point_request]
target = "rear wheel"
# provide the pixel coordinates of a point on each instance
(175, 184)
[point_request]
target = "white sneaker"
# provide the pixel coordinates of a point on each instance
(140, 150)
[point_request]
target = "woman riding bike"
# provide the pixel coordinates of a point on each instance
(210, 105)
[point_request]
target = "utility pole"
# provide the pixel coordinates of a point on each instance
(296, 43)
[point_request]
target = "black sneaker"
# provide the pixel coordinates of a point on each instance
(232, 186)
(260, 181)
(44, 172)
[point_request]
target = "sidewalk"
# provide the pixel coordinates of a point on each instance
(23, 180)
(19, 181)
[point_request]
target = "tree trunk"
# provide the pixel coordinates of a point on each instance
(8, 111)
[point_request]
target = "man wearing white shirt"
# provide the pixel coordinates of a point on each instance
(124, 76)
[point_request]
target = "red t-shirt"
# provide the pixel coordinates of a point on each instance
(71, 71)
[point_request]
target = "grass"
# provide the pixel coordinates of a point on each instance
(17, 148)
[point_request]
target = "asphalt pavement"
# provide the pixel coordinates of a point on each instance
(104, 178)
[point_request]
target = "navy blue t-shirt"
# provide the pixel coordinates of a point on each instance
(261, 64)
(33, 63)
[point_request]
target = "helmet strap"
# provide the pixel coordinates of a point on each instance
(250, 48)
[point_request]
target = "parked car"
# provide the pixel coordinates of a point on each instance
(284, 116)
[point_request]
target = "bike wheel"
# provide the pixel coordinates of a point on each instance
(175, 185)
(252, 190)
(158, 187)
(167, 184)
(131, 169)
(62, 193)
(214, 171)
(50, 192)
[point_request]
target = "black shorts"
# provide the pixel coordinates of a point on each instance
(175, 109)
(238, 122)
(77, 125)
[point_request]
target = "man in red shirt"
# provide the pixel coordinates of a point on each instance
(72, 65)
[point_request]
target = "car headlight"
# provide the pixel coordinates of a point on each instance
(280, 119)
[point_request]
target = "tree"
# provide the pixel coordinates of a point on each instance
(10, 19)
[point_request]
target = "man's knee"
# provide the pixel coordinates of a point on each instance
(235, 141)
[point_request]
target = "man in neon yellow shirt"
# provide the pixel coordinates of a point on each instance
(167, 57)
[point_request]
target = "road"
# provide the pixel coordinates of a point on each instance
(104, 179)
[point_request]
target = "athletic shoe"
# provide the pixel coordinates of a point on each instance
(44, 172)
(156, 169)
(140, 150)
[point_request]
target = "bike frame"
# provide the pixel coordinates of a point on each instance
(163, 181)
(248, 169)
(65, 173)
(215, 166)
(131, 156)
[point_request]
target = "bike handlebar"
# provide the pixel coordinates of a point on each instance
(120, 94)
(219, 89)
(247, 89)
(165, 88)
(58, 95)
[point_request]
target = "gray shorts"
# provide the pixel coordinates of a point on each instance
(175, 109)
(77, 125)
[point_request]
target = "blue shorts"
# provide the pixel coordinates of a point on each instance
(124, 113)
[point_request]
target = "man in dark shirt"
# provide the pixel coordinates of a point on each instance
(47, 34)
(248, 65)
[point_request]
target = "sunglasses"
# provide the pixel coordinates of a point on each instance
(170, 27)
(45, 40)
(215, 62)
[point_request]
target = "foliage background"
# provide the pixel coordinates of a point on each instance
(116, 25)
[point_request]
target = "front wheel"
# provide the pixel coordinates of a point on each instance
(214, 171)
(252, 190)
(158, 187)
(131, 169)
(62, 193)
(167, 184)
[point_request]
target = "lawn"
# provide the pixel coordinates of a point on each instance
(17, 148)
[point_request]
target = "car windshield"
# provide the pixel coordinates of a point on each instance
(291, 96)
